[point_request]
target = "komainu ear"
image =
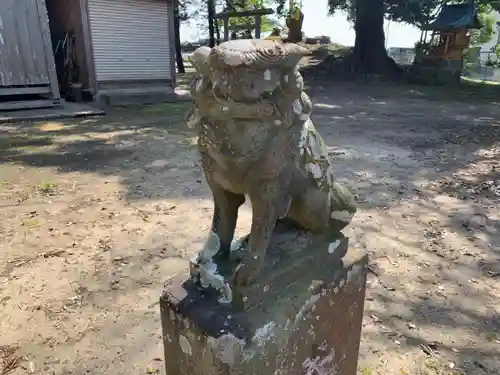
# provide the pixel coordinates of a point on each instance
(199, 59)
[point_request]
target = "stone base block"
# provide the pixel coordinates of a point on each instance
(313, 328)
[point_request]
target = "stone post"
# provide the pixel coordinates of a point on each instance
(312, 327)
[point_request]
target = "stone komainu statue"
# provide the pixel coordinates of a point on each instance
(256, 139)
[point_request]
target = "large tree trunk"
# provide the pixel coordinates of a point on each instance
(211, 23)
(369, 55)
(295, 28)
(178, 48)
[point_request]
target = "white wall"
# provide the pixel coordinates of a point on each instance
(487, 47)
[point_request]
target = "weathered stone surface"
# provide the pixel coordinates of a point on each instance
(291, 252)
(256, 140)
(312, 329)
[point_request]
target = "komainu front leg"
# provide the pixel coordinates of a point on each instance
(226, 205)
(269, 202)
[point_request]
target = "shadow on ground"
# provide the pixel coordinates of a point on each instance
(427, 177)
(135, 143)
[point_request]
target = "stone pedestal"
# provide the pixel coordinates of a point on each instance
(312, 327)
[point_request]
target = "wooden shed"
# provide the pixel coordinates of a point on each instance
(114, 51)
(28, 76)
(123, 50)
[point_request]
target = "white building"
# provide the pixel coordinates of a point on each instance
(487, 49)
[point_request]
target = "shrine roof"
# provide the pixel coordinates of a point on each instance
(454, 17)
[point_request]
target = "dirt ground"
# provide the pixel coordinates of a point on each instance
(96, 214)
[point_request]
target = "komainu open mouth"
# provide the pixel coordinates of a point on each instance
(227, 100)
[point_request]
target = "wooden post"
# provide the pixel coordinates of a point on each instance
(258, 25)
(211, 20)
(226, 28)
(446, 43)
(255, 13)
(49, 55)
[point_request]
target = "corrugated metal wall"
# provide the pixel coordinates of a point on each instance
(130, 39)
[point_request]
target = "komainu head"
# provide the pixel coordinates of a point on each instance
(248, 71)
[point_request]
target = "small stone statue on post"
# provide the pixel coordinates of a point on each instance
(256, 139)
(275, 301)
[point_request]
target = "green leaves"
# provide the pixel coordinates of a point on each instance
(414, 12)
(488, 21)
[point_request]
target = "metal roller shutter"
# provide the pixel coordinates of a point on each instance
(130, 39)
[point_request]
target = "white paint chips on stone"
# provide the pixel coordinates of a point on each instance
(332, 246)
(210, 248)
(308, 305)
(209, 277)
(315, 170)
(309, 126)
(324, 346)
(285, 78)
(267, 75)
(316, 147)
(208, 269)
(297, 107)
(227, 347)
(193, 118)
(185, 345)
(330, 176)
(237, 244)
(199, 85)
(320, 366)
(265, 333)
(341, 283)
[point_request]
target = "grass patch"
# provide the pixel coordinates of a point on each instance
(491, 336)
(26, 142)
(491, 83)
(47, 188)
(32, 223)
(433, 367)
(467, 91)
(168, 109)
